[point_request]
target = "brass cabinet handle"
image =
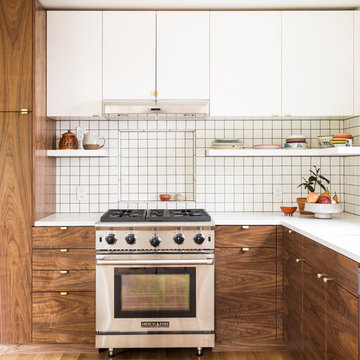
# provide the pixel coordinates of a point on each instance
(63, 227)
(326, 279)
(63, 293)
(245, 249)
(64, 271)
(298, 260)
(24, 111)
(63, 250)
(246, 227)
(290, 231)
(319, 276)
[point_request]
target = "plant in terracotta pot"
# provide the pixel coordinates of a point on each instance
(315, 179)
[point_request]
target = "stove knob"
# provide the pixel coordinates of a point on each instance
(155, 241)
(130, 239)
(199, 239)
(179, 238)
(111, 239)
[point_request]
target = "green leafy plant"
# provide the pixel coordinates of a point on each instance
(314, 179)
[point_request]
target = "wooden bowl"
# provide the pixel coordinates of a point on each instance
(288, 210)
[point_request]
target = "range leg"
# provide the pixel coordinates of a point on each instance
(111, 352)
(199, 351)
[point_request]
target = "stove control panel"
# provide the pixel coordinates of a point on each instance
(156, 239)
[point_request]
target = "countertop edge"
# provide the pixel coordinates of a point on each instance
(315, 229)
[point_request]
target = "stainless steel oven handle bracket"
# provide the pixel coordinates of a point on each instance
(155, 262)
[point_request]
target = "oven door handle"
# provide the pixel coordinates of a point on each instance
(156, 262)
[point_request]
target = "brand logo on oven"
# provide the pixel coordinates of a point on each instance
(155, 324)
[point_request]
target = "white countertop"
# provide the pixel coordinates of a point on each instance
(341, 233)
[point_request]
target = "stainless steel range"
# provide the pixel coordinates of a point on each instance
(155, 279)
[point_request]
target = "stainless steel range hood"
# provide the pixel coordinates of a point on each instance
(113, 109)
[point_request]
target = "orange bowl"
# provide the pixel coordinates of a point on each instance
(164, 197)
(288, 210)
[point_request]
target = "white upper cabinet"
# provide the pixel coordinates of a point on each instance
(317, 61)
(183, 55)
(245, 63)
(357, 63)
(129, 54)
(74, 63)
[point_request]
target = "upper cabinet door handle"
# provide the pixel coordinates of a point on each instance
(246, 227)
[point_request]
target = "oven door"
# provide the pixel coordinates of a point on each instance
(161, 292)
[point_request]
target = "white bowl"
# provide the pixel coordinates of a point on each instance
(323, 211)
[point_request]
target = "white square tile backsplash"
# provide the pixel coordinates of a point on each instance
(156, 156)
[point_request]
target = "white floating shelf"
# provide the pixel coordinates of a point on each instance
(77, 153)
(335, 151)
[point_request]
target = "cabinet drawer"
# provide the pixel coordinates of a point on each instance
(336, 266)
(56, 259)
(245, 236)
(64, 237)
(63, 318)
(64, 280)
(293, 242)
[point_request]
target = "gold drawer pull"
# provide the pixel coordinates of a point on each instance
(63, 293)
(63, 227)
(64, 271)
(245, 249)
(63, 250)
(326, 279)
(246, 227)
(298, 260)
(290, 231)
(319, 276)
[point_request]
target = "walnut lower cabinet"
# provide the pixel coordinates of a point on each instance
(63, 298)
(321, 306)
(245, 287)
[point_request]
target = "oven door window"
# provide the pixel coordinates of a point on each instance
(155, 292)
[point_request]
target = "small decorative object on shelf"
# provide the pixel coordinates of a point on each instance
(68, 141)
(310, 184)
(92, 141)
(325, 141)
(295, 142)
(342, 139)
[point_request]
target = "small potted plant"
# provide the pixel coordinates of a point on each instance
(310, 185)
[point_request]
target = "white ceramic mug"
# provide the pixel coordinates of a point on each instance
(92, 141)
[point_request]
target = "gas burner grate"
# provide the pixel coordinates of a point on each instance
(117, 215)
(155, 215)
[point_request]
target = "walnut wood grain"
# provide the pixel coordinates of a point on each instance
(44, 173)
(337, 266)
(342, 323)
(279, 283)
(76, 237)
(64, 319)
(16, 55)
(292, 315)
(72, 280)
(237, 236)
(245, 298)
(54, 259)
(314, 311)
(15, 229)
(293, 242)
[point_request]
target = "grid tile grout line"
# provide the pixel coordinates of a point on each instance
(222, 184)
